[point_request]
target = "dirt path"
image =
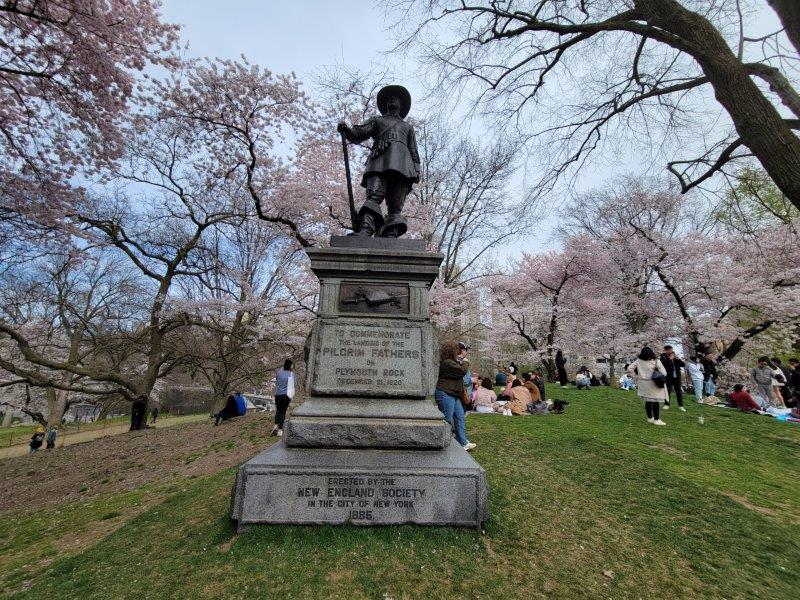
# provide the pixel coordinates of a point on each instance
(125, 462)
(98, 432)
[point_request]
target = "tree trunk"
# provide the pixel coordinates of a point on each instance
(612, 368)
(758, 123)
(789, 13)
(7, 416)
(736, 345)
(56, 404)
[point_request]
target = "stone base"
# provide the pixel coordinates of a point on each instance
(308, 486)
(367, 423)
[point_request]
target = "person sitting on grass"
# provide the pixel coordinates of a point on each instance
(484, 398)
(583, 379)
(229, 411)
(520, 398)
(743, 400)
(626, 383)
(530, 385)
(506, 395)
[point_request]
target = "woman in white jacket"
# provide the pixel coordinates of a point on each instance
(652, 395)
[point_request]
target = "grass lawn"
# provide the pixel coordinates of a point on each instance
(592, 503)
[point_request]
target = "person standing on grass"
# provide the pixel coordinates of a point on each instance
(284, 392)
(51, 438)
(561, 363)
(36, 440)
(761, 375)
(778, 379)
(673, 365)
(695, 372)
(709, 374)
(154, 413)
(139, 413)
(463, 349)
(449, 387)
(649, 392)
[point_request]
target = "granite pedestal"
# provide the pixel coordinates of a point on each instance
(368, 446)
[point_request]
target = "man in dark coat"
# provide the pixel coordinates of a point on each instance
(393, 164)
(673, 365)
(139, 413)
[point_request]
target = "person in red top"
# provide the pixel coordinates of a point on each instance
(744, 401)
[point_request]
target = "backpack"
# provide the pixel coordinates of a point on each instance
(658, 377)
(537, 407)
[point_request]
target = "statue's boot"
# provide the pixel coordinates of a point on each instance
(369, 221)
(395, 226)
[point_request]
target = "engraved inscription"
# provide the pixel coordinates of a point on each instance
(373, 299)
(364, 498)
(369, 360)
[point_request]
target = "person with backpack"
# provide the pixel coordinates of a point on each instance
(284, 392)
(651, 385)
(36, 440)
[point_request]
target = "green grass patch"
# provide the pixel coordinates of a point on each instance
(592, 503)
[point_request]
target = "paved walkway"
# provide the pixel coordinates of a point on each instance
(94, 433)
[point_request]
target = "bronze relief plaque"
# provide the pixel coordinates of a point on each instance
(381, 299)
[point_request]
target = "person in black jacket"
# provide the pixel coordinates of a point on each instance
(673, 365)
(139, 413)
(709, 374)
(562, 372)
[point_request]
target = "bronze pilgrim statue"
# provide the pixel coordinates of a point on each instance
(392, 167)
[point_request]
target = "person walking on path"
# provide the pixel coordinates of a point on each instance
(653, 396)
(154, 413)
(561, 363)
(51, 438)
(36, 440)
(695, 372)
(284, 392)
(673, 365)
(761, 375)
(449, 388)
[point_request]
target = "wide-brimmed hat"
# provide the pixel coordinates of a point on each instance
(394, 90)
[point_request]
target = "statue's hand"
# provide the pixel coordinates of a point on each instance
(342, 127)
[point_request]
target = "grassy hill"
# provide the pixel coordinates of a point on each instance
(595, 502)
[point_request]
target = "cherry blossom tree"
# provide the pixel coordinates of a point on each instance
(67, 72)
(252, 305)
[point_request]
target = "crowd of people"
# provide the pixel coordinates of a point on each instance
(460, 391)
(658, 378)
